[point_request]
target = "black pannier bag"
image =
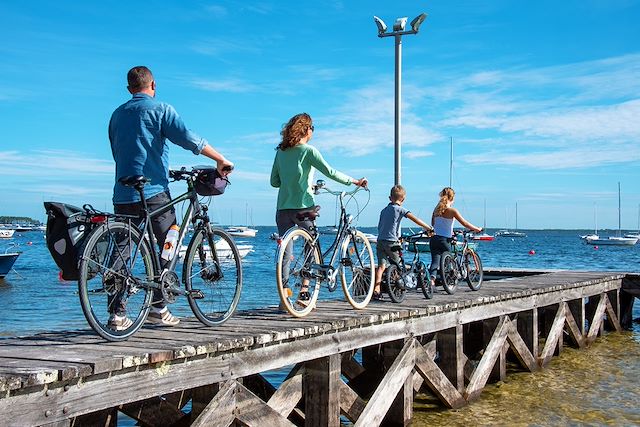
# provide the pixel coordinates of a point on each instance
(209, 182)
(67, 228)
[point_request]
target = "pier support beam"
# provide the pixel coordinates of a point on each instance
(527, 325)
(321, 390)
(449, 344)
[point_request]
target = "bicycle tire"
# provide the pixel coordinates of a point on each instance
(475, 274)
(396, 286)
(449, 272)
(213, 285)
(298, 249)
(424, 279)
(107, 276)
(357, 270)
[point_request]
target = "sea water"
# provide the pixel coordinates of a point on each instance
(594, 386)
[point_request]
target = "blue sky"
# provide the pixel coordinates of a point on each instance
(541, 100)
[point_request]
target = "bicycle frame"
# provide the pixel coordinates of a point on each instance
(344, 230)
(192, 214)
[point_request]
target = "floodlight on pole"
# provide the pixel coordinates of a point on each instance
(398, 31)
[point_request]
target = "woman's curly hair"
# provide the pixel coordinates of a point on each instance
(294, 130)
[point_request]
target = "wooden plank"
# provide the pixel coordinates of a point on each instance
(574, 330)
(554, 336)
(520, 348)
(491, 354)
(351, 404)
(285, 398)
(596, 320)
(154, 411)
(392, 382)
(611, 314)
(436, 380)
(220, 412)
(254, 412)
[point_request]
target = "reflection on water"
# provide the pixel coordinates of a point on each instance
(594, 386)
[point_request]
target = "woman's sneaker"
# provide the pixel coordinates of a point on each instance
(119, 323)
(163, 317)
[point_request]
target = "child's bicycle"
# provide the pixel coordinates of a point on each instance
(300, 267)
(400, 277)
(463, 264)
(120, 265)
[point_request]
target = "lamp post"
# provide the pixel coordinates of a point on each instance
(398, 32)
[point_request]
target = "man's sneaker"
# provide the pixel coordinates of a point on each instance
(163, 317)
(119, 323)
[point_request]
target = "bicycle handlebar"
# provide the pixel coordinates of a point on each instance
(320, 185)
(183, 173)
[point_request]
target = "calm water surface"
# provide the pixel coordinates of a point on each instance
(596, 386)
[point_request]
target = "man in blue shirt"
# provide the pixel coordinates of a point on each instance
(138, 132)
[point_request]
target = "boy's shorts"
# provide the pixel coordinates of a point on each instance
(386, 254)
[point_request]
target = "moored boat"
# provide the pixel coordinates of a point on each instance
(222, 249)
(6, 262)
(6, 233)
(241, 231)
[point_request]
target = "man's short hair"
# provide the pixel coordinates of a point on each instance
(139, 78)
(397, 193)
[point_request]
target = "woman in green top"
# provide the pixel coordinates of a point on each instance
(292, 174)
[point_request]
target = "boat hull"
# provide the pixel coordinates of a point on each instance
(6, 263)
(614, 241)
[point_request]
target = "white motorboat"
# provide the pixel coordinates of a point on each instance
(241, 231)
(222, 249)
(6, 233)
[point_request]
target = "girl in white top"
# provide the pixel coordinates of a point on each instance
(442, 220)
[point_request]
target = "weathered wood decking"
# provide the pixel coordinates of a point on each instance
(452, 345)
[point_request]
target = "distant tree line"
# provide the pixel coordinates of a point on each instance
(18, 220)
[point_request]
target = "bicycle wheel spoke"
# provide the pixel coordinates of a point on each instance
(112, 283)
(357, 270)
(298, 287)
(213, 281)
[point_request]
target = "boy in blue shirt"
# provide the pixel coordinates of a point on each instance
(389, 233)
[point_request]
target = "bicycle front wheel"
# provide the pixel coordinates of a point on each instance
(116, 271)
(295, 274)
(357, 271)
(395, 283)
(449, 272)
(213, 284)
(474, 269)
(424, 280)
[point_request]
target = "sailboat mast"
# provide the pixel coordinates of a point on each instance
(619, 217)
(450, 160)
(484, 222)
(516, 216)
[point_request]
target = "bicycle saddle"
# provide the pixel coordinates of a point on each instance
(133, 180)
(309, 214)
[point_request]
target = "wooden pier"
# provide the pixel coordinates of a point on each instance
(364, 366)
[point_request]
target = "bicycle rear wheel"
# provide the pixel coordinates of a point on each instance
(474, 269)
(357, 271)
(213, 285)
(449, 272)
(294, 274)
(116, 270)
(395, 283)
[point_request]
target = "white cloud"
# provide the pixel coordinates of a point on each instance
(52, 163)
(224, 85)
(417, 154)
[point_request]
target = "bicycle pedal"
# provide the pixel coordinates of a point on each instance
(196, 294)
